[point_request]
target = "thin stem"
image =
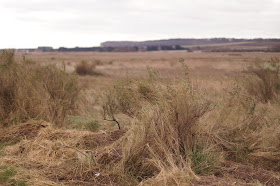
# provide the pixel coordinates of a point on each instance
(114, 120)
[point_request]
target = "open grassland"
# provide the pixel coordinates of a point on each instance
(202, 66)
(151, 118)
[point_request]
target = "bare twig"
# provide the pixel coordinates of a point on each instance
(114, 120)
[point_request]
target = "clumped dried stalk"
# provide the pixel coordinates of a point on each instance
(178, 130)
(164, 134)
(263, 81)
(30, 91)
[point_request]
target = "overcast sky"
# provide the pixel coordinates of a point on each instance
(70, 23)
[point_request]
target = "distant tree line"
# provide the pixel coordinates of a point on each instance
(103, 49)
(268, 45)
(180, 42)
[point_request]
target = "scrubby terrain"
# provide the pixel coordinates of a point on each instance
(108, 119)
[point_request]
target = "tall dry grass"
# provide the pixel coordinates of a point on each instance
(30, 91)
(179, 132)
(245, 122)
(264, 80)
(164, 136)
(247, 129)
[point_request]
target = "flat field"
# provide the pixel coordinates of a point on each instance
(213, 70)
(217, 67)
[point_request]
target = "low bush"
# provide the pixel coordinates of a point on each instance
(30, 91)
(263, 81)
(85, 69)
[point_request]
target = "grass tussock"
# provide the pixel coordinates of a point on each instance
(246, 128)
(165, 134)
(264, 80)
(84, 68)
(30, 91)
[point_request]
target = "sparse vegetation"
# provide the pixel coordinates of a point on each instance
(30, 91)
(172, 130)
(166, 114)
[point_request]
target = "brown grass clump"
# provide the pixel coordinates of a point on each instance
(176, 127)
(29, 91)
(174, 176)
(85, 69)
(165, 135)
(247, 129)
(264, 82)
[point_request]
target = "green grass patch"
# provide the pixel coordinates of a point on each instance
(92, 126)
(84, 122)
(4, 144)
(6, 177)
(204, 162)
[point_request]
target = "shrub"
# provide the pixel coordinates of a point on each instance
(264, 80)
(85, 69)
(30, 91)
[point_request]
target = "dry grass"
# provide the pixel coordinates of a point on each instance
(30, 91)
(247, 129)
(164, 136)
(176, 129)
(264, 80)
(58, 156)
(170, 131)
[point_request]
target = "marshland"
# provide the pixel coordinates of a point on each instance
(139, 118)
